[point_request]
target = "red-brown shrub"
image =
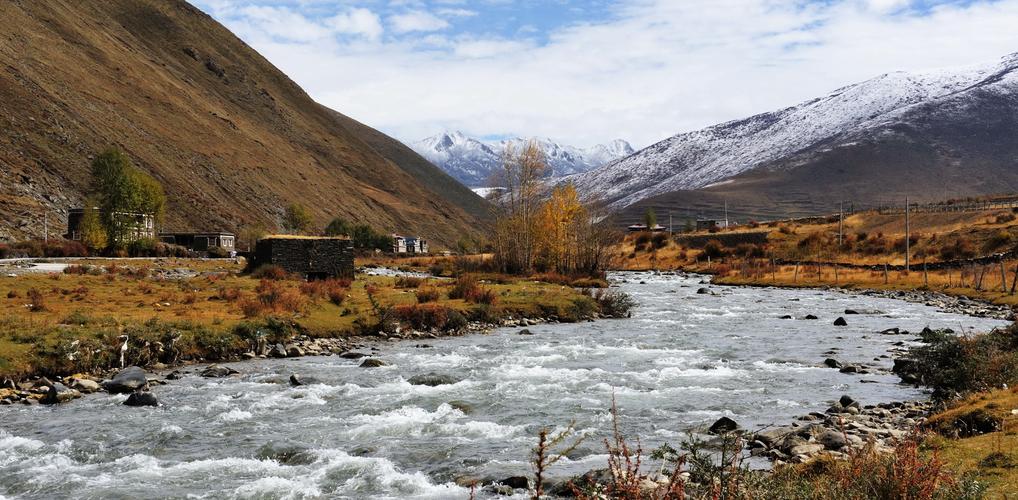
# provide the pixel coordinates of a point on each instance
(270, 272)
(428, 294)
(38, 301)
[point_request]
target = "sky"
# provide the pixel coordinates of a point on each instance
(584, 72)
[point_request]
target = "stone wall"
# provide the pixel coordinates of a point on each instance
(726, 239)
(312, 258)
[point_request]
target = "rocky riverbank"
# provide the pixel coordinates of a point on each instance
(942, 301)
(55, 390)
(845, 427)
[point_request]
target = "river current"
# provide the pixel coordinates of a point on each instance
(682, 361)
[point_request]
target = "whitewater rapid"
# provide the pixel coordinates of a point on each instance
(682, 361)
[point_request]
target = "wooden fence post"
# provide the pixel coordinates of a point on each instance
(795, 277)
(1003, 276)
(926, 275)
(1014, 282)
(885, 273)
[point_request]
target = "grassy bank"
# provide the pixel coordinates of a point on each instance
(182, 310)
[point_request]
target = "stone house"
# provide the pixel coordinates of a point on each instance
(310, 257)
(201, 242)
(409, 245)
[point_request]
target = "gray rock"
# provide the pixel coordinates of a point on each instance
(703, 291)
(525, 332)
(806, 449)
(84, 385)
(128, 380)
(723, 425)
(293, 351)
(373, 363)
(515, 482)
(840, 322)
(59, 393)
(432, 379)
(141, 399)
(218, 371)
(277, 351)
(296, 380)
(833, 440)
(810, 316)
(353, 355)
(847, 401)
(832, 363)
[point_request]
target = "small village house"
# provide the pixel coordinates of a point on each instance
(409, 245)
(201, 242)
(639, 228)
(706, 224)
(139, 226)
(312, 258)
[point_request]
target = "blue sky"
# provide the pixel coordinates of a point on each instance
(584, 72)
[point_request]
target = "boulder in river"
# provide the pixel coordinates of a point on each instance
(723, 425)
(832, 363)
(373, 363)
(141, 398)
(432, 379)
(218, 371)
(891, 331)
(286, 454)
(810, 316)
(277, 351)
(352, 355)
(787, 316)
(515, 482)
(525, 332)
(297, 381)
(840, 322)
(59, 393)
(128, 380)
(84, 385)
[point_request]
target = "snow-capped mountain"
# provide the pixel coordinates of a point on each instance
(472, 161)
(895, 105)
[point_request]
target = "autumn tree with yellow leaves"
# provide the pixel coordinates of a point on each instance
(534, 231)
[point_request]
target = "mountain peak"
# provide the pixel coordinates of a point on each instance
(472, 161)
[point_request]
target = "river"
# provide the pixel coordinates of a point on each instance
(682, 361)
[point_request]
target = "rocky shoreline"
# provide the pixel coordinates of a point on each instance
(44, 390)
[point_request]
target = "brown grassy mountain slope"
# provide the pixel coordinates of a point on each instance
(232, 139)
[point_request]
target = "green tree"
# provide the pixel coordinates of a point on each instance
(120, 189)
(93, 234)
(297, 219)
(366, 238)
(650, 218)
(339, 227)
(251, 234)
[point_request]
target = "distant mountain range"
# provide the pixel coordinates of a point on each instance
(929, 135)
(472, 161)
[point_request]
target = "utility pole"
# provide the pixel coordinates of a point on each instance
(908, 243)
(671, 229)
(841, 223)
(45, 226)
(726, 214)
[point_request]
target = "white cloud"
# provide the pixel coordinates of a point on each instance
(358, 22)
(652, 69)
(417, 20)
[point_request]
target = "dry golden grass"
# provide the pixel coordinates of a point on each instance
(84, 304)
(993, 457)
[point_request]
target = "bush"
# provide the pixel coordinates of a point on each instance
(428, 294)
(424, 316)
(463, 287)
(218, 253)
(612, 303)
(659, 240)
(1005, 218)
(961, 248)
(408, 282)
(37, 300)
(953, 364)
(1001, 239)
(270, 272)
(714, 250)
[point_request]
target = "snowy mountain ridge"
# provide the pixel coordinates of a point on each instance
(472, 161)
(709, 156)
